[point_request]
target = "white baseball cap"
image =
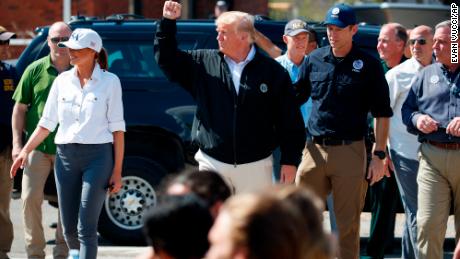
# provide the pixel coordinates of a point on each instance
(83, 38)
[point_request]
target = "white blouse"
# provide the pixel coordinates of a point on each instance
(85, 115)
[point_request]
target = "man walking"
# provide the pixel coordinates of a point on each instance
(30, 97)
(7, 85)
(346, 83)
(432, 111)
(245, 102)
(384, 196)
(404, 146)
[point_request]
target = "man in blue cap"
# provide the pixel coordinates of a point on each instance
(345, 84)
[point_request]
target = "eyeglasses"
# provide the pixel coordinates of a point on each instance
(4, 42)
(56, 40)
(420, 41)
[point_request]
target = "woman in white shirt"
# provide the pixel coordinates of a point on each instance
(86, 102)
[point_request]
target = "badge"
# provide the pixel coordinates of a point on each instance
(434, 79)
(358, 64)
(335, 10)
(263, 88)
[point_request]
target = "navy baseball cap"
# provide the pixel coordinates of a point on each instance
(294, 27)
(340, 15)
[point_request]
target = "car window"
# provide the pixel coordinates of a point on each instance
(132, 59)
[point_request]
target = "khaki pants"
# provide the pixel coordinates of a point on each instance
(33, 184)
(340, 170)
(6, 184)
(249, 177)
(438, 184)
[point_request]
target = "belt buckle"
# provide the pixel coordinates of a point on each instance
(325, 141)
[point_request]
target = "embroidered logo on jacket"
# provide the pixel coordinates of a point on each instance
(263, 88)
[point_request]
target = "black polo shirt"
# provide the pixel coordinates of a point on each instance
(343, 91)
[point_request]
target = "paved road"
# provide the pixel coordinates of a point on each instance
(108, 251)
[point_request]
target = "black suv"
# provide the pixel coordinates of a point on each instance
(159, 114)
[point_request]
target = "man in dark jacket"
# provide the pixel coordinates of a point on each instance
(345, 84)
(7, 85)
(245, 103)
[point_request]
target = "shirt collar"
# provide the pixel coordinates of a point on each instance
(416, 64)
(249, 57)
(446, 70)
(48, 64)
(96, 75)
(289, 61)
(329, 55)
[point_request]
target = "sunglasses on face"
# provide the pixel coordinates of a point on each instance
(420, 41)
(56, 40)
(4, 42)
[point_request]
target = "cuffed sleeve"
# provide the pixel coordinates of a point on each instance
(115, 108)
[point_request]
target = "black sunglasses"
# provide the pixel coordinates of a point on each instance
(4, 42)
(56, 40)
(420, 41)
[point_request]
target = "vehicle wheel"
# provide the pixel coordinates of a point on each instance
(122, 215)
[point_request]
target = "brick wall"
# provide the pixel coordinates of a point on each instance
(13, 52)
(22, 17)
(204, 8)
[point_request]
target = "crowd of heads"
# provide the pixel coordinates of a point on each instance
(197, 217)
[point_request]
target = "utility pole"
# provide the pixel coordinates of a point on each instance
(66, 10)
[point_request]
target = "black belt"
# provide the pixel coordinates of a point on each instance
(328, 141)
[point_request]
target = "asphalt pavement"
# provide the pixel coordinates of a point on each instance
(109, 251)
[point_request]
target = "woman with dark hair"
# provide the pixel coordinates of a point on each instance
(207, 184)
(177, 228)
(86, 103)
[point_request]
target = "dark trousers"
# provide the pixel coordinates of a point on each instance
(82, 174)
(385, 199)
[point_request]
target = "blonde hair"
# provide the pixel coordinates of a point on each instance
(317, 244)
(265, 226)
(242, 22)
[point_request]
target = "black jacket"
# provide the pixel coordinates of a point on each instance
(231, 128)
(343, 92)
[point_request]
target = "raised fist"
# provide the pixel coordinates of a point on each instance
(172, 10)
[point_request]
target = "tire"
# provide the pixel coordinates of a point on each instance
(121, 218)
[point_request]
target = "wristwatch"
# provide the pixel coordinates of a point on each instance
(380, 154)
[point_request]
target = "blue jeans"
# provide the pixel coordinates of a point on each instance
(82, 174)
(406, 178)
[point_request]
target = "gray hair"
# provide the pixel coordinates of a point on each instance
(443, 24)
(400, 31)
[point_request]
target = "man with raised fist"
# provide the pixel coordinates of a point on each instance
(246, 105)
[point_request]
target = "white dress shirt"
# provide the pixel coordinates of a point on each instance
(237, 68)
(86, 115)
(400, 79)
